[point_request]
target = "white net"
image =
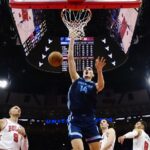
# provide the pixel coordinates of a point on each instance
(76, 20)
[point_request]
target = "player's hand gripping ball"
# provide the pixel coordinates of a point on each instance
(55, 59)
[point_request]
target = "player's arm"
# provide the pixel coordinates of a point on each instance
(24, 138)
(99, 64)
(110, 140)
(130, 135)
(2, 124)
(71, 62)
(21, 131)
(24, 143)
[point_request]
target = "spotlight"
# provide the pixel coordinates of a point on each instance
(3, 84)
(148, 80)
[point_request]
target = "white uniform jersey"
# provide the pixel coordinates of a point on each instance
(142, 142)
(9, 137)
(105, 139)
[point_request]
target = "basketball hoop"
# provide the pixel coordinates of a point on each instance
(76, 20)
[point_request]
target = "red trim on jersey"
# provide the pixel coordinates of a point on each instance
(146, 145)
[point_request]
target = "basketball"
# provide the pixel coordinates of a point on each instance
(55, 59)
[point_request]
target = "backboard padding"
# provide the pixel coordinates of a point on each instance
(74, 4)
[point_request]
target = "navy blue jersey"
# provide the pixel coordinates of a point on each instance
(82, 96)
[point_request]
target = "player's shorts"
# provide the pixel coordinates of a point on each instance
(83, 126)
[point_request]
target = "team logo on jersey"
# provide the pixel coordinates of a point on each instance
(12, 128)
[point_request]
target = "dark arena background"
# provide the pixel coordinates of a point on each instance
(41, 90)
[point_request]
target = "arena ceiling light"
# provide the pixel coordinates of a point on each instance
(3, 83)
(148, 80)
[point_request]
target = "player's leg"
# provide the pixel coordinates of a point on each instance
(77, 144)
(94, 146)
(92, 134)
(75, 133)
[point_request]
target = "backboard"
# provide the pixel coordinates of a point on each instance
(74, 4)
(109, 32)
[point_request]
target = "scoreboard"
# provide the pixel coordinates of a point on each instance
(83, 52)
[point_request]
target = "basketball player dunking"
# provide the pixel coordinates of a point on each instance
(82, 101)
(12, 134)
(141, 140)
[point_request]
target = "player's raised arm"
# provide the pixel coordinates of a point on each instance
(99, 64)
(71, 62)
